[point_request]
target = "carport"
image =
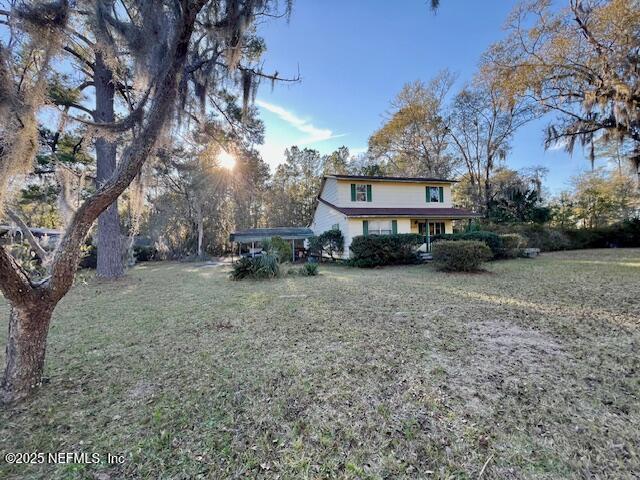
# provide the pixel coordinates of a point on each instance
(252, 236)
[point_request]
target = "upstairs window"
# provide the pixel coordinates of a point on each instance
(435, 194)
(360, 192)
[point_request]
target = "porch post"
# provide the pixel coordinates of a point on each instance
(293, 250)
(253, 249)
(428, 236)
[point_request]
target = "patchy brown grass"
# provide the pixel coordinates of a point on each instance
(404, 372)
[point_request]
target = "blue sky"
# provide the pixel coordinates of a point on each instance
(354, 56)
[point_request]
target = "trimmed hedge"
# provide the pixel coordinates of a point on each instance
(460, 255)
(369, 251)
(490, 239)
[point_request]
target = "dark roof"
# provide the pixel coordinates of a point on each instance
(390, 179)
(257, 234)
(403, 212)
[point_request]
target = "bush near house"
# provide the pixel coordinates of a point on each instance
(369, 251)
(330, 242)
(279, 247)
(491, 239)
(512, 245)
(261, 267)
(460, 255)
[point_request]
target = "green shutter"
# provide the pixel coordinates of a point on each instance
(353, 192)
(394, 227)
(441, 194)
(427, 189)
(368, 193)
(365, 227)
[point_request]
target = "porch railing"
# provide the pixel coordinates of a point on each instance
(426, 246)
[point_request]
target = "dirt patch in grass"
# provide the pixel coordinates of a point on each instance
(400, 372)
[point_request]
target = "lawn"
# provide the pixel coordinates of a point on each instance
(529, 370)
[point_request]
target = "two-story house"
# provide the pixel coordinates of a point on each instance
(363, 205)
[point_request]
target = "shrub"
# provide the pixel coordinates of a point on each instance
(539, 236)
(88, 255)
(330, 242)
(144, 253)
(375, 250)
(243, 268)
(460, 255)
(266, 266)
(623, 234)
(309, 269)
(279, 247)
(491, 239)
(512, 245)
(260, 267)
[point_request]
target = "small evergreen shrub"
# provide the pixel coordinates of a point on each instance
(279, 247)
(309, 270)
(460, 255)
(261, 267)
(512, 245)
(369, 251)
(330, 242)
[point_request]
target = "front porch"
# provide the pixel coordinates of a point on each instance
(429, 228)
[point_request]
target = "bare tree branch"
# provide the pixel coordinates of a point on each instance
(26, 232)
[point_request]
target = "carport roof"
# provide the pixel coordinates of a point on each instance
(258, 234)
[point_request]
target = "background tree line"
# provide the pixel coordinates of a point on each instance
(574, 65)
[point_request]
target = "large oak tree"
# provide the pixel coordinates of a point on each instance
(579, 62)
(179, 50)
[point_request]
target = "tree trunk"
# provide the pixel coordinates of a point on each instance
(200, 228)
(488, 193)
(110, 254)
(26, 346)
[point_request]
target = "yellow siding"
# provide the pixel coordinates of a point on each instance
(389, 194)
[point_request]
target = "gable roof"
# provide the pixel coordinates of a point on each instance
(257, 234)
(371, 178)
(430, 212)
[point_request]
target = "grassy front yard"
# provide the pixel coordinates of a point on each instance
(532, 369)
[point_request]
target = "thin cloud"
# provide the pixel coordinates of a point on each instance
(313, 133)
(559, 145)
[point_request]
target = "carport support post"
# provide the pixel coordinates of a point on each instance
(253, 249)
(293, 250)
